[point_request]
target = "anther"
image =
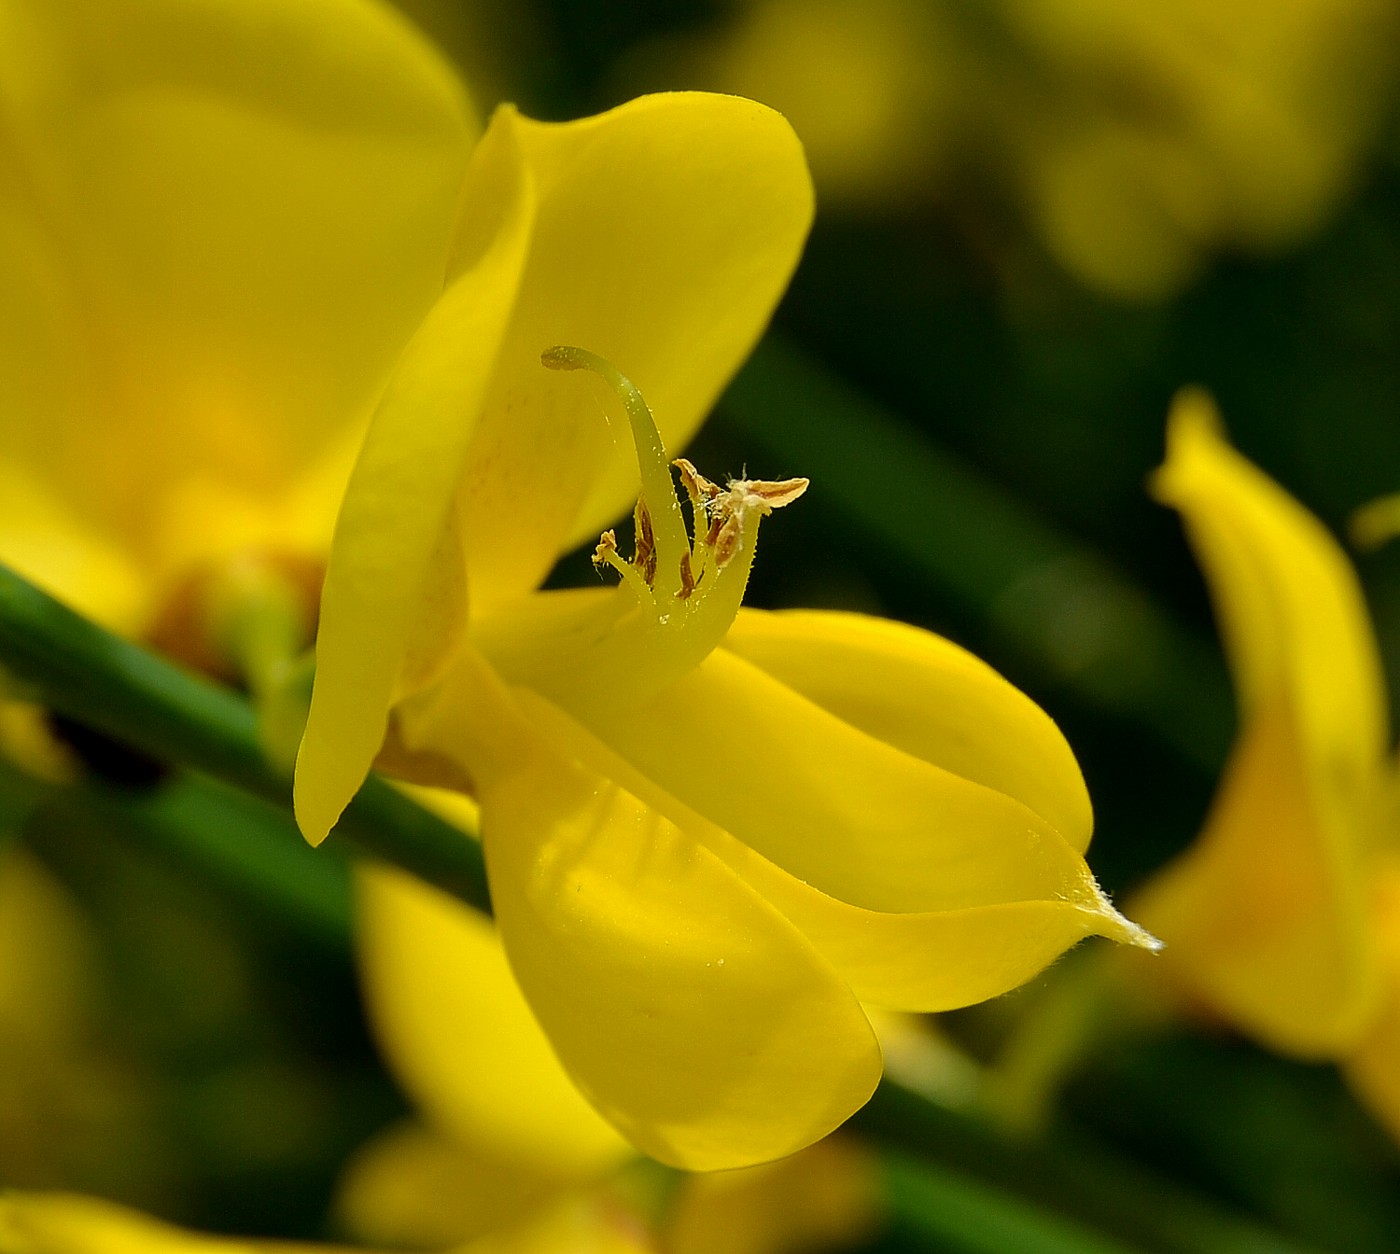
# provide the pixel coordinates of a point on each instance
(606, 551)
(644, 544)
(727, 541)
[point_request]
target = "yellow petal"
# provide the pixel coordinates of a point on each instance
(913, 960)
(228, 216)
(67, 1223)
(927, 697)
(46, 542)
(417, 1188)
(389, 591)
(858, 819)
(667, 230)
(933, 960)
(692, 1014)
(589, 1224)
(1266, 913)
(827, 1197)
(1373, 1070)
(461, 1039)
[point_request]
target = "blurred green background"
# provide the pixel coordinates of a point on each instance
(979, 400)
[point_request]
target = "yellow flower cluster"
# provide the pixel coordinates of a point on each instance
(1135, 140)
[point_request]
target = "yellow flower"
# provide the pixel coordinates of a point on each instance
(502, 1134)
(69, 1223)
(709, 833)
(1282, 918)
(219, 222)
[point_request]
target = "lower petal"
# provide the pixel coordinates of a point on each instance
(689, 1011)
(927, 697)
(917, 961)
(931, 961)
(855, 817)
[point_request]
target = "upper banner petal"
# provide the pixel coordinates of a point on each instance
(395, 591)
(667, 229)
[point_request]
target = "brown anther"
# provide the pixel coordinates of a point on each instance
(607, 548)
(727, 542)
(697, 487)
(644, 550)
(770, 495)
(716, 525)
(687, 579)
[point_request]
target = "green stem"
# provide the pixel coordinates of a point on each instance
(246, 850)
(1066, 1172)
(139, 699)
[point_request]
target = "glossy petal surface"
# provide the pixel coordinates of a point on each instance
(854, 817)
(686, 1008)
(925, 696)
(887, 956)
(1267, 913)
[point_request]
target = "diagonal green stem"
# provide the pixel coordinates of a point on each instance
(1055, 603)
(139, 699)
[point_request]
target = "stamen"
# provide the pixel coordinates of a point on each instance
(606, 554)
(701, 492)
(766, 496)
(727, 540)
(668, 565)
(644, 543)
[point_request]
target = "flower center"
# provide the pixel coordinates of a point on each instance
(674, 569)
(680, 589)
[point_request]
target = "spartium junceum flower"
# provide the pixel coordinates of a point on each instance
(710, 832)
(219, 224)
(1283, 918)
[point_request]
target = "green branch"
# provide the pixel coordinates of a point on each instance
(141, 700)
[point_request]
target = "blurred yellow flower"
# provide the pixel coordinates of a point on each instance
(1134, 140)
(1282, 918)
(219, 222)
(709, 833)
(503, 1136)
(69, 1223)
